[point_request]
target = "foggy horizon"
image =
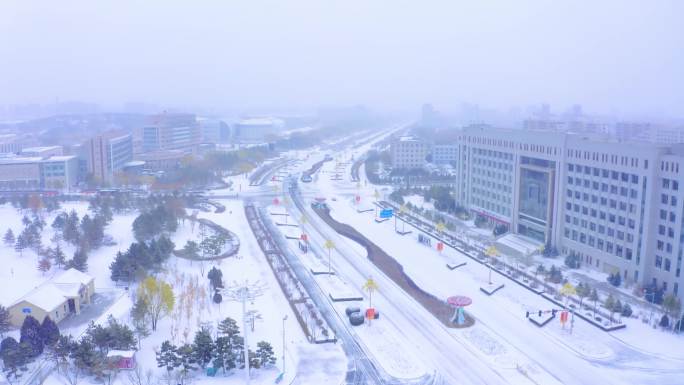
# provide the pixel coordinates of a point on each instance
(618, 58)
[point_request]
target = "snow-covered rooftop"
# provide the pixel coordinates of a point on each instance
(46, 297)
(54, 292)
(73, 276)
(59, 158)
(121, 353)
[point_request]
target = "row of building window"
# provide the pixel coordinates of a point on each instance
(599, 243)
(606, 158)
(603, 173)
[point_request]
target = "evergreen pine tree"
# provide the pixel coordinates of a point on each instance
(5, 324)
(203, 347)
(264, 354)
(58, 256)
(20, 244)
(49, 332)
(167, 357)
(215, 278)
(9, 238)
(79, 261)
(30, 334)
(237, 344)
(224, 357)
(187, 360)
(85, 357)
(13, 358)
(229, 328)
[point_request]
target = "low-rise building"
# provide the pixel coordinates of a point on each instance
(20, 173)
(59, 172)
(56, 298)
(409, 153)
(258, 129)
(43, 151)
(162, 160)
(36, 173)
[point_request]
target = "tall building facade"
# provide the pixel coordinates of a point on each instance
(618, 206)
(171, 132)
(107, 154)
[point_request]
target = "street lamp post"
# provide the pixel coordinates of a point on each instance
(242, 293)
(284, 346)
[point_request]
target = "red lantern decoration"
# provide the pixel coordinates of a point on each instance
(276, 201)
(440, 246)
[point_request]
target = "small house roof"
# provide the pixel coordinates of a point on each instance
(56, 291)
(46, 297)
(121, 353)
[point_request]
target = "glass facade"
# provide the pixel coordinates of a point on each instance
(534, 193)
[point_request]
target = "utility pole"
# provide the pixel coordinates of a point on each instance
(242, 293)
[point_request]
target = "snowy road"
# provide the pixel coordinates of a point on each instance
(452, 359)
(454, 355)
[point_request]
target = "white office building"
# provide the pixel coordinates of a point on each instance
(617, 205)
(409, 153)
(444, 153)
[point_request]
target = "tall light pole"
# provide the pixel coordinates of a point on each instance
(492, 253)
(329, 244)
(284, 319)
(244, 292)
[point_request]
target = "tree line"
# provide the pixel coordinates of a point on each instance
(223, 353)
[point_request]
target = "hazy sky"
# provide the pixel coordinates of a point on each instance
(625, 56)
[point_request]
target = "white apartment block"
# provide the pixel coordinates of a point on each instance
(444, 153)
(617, 205)
(409, 152)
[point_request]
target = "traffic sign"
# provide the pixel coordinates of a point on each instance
(386, 213)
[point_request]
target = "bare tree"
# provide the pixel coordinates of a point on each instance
(138, 376)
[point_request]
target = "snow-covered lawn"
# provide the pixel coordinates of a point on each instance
(193, 311)
(20, 273)
(418, 201)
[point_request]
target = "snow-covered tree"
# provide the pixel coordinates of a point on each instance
(203, 347)
(58, 256)
(30, 334)
(5, 324)
(265, 355)
(9, 238)
(49, 332)
(167, 357)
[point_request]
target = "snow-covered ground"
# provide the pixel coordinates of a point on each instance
(419, 201)
(502, 335)
(21, 273)
(193, 310)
